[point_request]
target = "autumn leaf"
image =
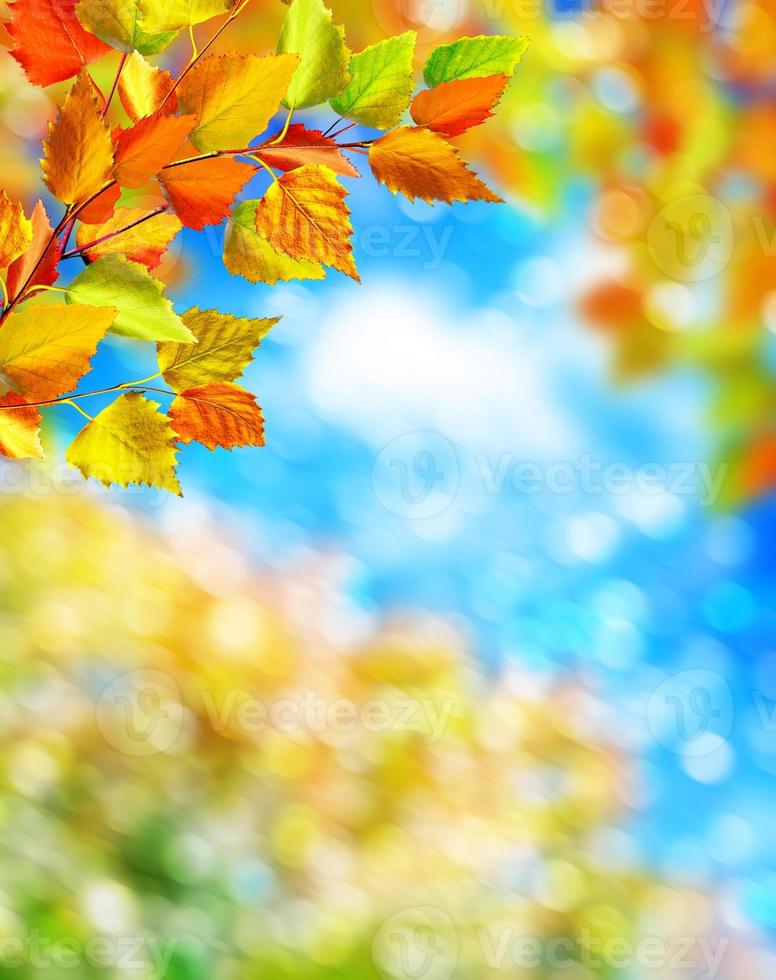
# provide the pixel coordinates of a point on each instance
(301, 146)
(78, 154)
(249, 254)
(38, 265)
(381, 83)
(453, 107)
(49, 42)
(118, 23)
(146, 243)
(148, 146)
(234, 97)
(202, 193)
(224, 415)
(19, 428)
(474, 57)
(419, 163)
(143, 88)
(45, 350)
(15, 230)
(142, 310)
(130, 441)
(304, 215)
(224, 348)
(171, 15)
(102, 207)
(310, 32)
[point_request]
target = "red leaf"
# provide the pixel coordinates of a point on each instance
(301, 146)
(202, 193)
(42, 248)
(50, 43)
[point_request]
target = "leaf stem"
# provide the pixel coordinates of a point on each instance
(70, 399)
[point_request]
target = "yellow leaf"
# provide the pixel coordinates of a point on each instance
(15, 231)
(234, 97)
(146, 242)
(142, 88)
(224, 349)
(222, 415)
(19, 428)
(304, 215)
(128, 442)
(78, 154)
(419, 163)
(45, 350)
(249, 254)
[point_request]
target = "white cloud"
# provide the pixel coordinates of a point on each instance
(392, 360)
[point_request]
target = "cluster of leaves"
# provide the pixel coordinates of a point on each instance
(195, 141)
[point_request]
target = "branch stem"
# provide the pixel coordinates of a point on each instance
(75, 252)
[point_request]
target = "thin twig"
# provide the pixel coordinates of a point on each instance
(115, 84)
(75, 252)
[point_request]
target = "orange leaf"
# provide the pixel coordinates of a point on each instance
(19, 428)
(15, 231)
(102, 207)
(301, 146)
(78, 154)
(142, 88)
(304, 215)
(453, 107)
(202, 192)
(39, 262)
(148, 146)
(223, 415)
(419, 163)
(146, 243)
(49, 42)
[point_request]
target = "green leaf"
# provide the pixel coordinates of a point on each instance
(143, 311)
(310, 32)
(474, 57)
(249, 254)
(381, 83)
(172, 15)
(117, 23)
